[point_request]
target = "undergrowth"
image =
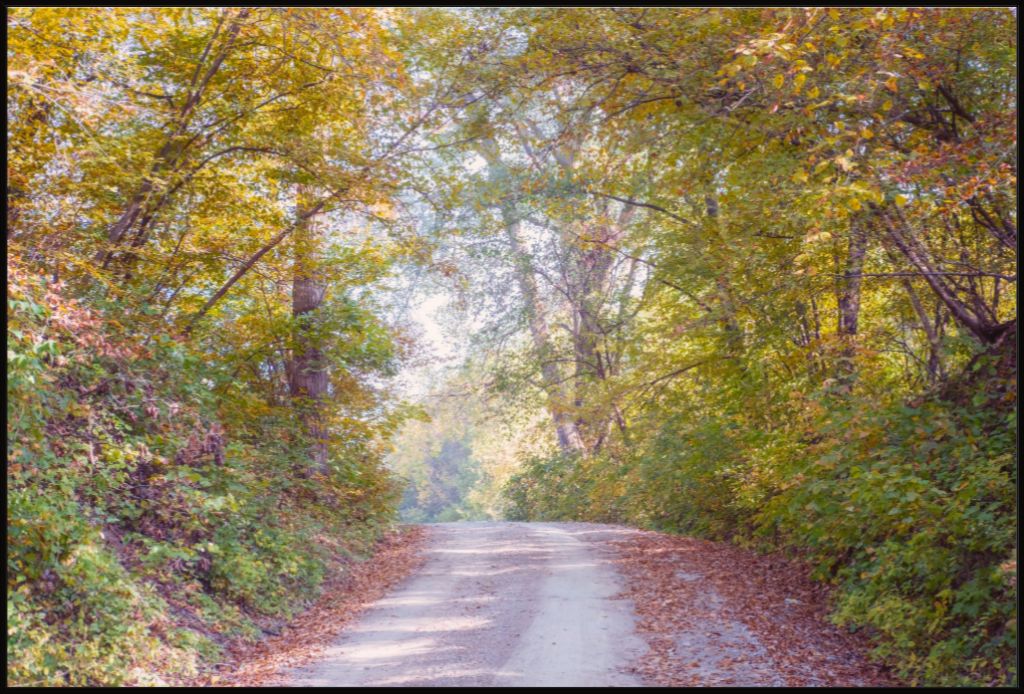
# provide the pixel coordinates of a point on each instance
(149, 522)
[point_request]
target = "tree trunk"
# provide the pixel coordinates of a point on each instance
(589, 294)
(569, 440)
(935, 368)
(309, 377)
(717, 251)
(977, 322)
(568, 434)
(849, 294)
(848, 301)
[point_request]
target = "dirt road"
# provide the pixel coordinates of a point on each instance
(496, 604)
(533, 604)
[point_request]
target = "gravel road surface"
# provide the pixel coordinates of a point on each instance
(496, 604)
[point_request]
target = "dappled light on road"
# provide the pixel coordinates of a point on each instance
(495, 604)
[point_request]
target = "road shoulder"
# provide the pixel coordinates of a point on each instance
(714, 614)
(304, 639)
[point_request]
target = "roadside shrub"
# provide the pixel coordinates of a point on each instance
(912, 511)
(135, 485)
(75, 616)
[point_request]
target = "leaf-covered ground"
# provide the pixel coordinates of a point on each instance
(714, 614)
(395, 556)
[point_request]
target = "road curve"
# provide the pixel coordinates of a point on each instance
(495, 604)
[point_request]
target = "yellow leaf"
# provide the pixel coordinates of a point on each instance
(779, 80)
(891, 84)
(902, 200)
(800, 176)
(866, 134)
(887, 105)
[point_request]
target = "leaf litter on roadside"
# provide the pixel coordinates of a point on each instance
(686, 590)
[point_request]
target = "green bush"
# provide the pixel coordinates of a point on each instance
(547, 489)
(912, 510)
(75, 616)
(130, 478)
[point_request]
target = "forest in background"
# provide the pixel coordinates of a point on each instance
(745, 274)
